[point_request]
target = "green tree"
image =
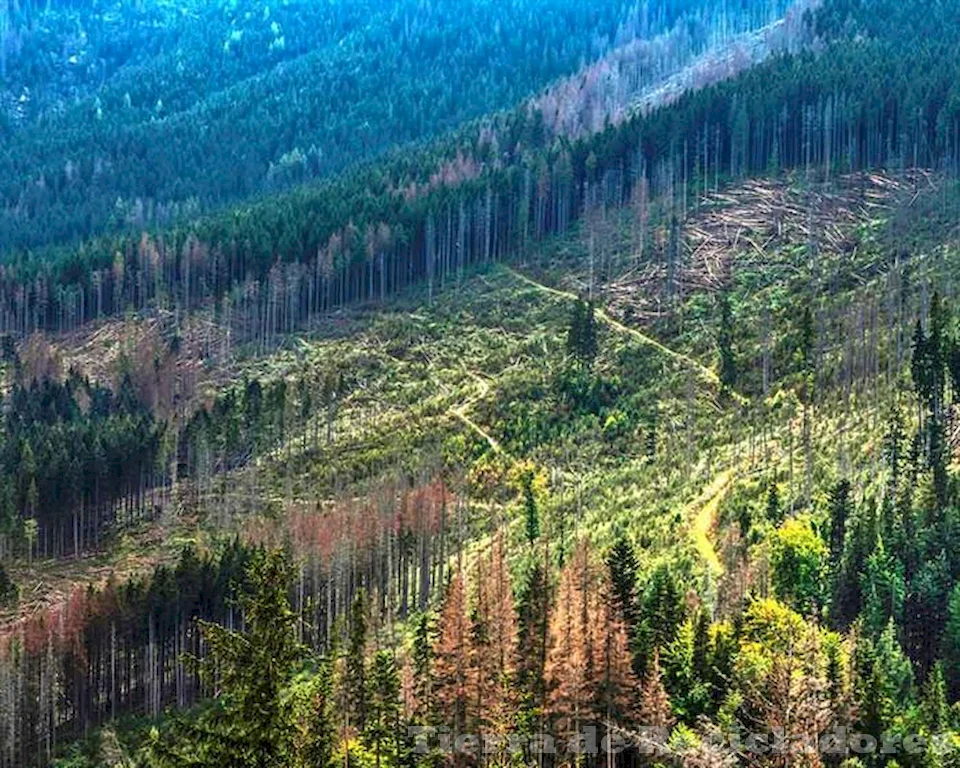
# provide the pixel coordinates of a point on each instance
(320, 731)
(253, 725)
(839, 515)
(774, 509)
(531, 514)
(423, 641)
(951, 643)
(382, 731)
(356, 664)
(582, 343)
(934, 709)
(622, 565)
(798, 558)
(8, 590)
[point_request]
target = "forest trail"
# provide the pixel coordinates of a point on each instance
(706, 373)
(705, 509)
(460, 412)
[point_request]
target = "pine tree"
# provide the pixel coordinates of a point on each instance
(569, 671)
(839, 514)
(8, 590)
(254, 727)
(356, 661)
(920, 363)
(616, 683)
(531, 514)
(319, 730)
(493, 652)
(533, 613)
(423, 640)
(496, 657)
(951, 644)
(382, 732)
(589, 670)
(582, 342)
(934, 709)
(622, 567)
(661, 611)
(774, 509)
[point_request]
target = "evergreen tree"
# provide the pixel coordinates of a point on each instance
(453, 670)
(319, 739)
(533, 615)
(382, 731)
(661, 611)
(8, 590)
(582, 343)
(934, 709)
(839, 515)
(774, 509)
(356, 661)
(951, 644)
(423, 640)
(531, 514)
(253, 726)
(655, 710)
(622, 566)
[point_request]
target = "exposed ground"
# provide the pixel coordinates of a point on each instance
(470, 379)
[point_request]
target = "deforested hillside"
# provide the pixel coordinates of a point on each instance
(626, 412)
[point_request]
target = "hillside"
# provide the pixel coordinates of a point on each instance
(101, 104)
(628, 410)
(448, 408)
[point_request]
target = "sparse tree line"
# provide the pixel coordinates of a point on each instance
(426, 214)
(81, 460)
(303, 84)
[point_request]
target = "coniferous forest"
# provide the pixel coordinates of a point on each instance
(471, 385)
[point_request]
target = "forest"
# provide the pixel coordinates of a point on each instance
(382, 386)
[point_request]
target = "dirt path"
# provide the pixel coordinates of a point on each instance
(708, 374)
(704, 510)
(460, 413)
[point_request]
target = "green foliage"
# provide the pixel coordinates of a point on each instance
(382, 732)
(951, 643)
(582, 334)
(661, 612)
(799, 560)
(623, 568)
(356, 654)
(882, 589)
(253, 724)
(9, 592)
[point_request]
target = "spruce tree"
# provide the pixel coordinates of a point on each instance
(320, 732)
(253, 725)
(381, 733)
(622, 566)
(728, 362)
(423, 639)
(839, 514)
(951, 644)
(531, 514)
(356, 670)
